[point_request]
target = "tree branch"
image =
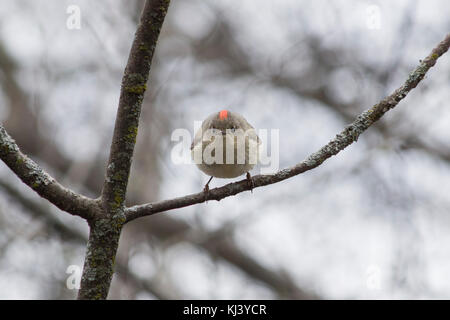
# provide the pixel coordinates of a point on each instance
(41, 182)
(349, 135)
(134, 84)
(36, 209)
(105, 230)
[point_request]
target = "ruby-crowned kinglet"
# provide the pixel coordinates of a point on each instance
(226, 146)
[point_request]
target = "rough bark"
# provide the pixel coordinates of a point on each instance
(106, 226)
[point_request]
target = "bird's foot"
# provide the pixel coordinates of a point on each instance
(250, 182)
(206, 189)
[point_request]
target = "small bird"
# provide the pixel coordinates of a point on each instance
(227, 133)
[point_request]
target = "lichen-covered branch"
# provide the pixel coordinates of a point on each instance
(40, 181)
(99, 259)
(134, 84)
(106, 228)
(349, 135)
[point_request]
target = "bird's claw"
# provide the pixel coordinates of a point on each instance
(250, 182)
(206, 191)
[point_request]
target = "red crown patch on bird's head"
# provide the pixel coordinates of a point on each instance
(223, 114)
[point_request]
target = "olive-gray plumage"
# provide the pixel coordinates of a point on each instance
(239, 141)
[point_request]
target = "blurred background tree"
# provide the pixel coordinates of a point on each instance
(370, 223)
